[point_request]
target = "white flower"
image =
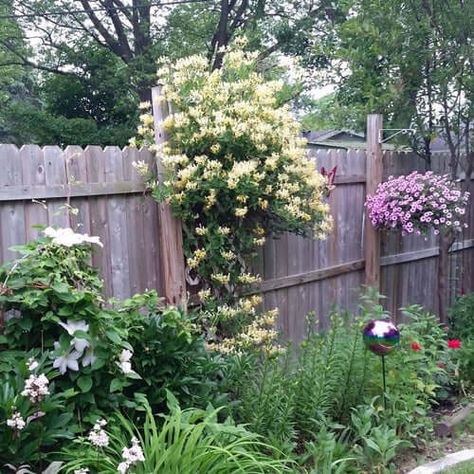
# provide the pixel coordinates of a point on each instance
(36, 388)
(71, 327)
(98, 437)
(35, 416)
(89, 357)
(16, 422)
(32, 364)
(141, 167)
(68, 237)
(84, 470)
(131, 456)
(66, 361)
(122, 468)
(135, 453)
(124, 361)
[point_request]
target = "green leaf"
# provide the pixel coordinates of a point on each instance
(65, 311)
(117, 385)
(113, 336)
(371, 444)
(25, 323)
(60, 287)
(133, 375)
(98, 364)
(84, 382)
(69, 393)
(82, 335)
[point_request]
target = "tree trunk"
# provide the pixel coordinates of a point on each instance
(446, 240)
(221, 37)
(144, 90)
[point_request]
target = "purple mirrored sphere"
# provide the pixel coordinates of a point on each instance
(381, 336)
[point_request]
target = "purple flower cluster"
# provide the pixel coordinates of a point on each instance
(417, 203)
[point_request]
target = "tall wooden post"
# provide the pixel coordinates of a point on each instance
(170, 231)
(374, 170)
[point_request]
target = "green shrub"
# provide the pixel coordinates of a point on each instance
(312, 389)
(170, 354)
(461, 318)
(188, 442)
(98, 358)
(31, 423)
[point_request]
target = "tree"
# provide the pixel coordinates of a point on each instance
(414, 62)
(137, 32)
(326, 113)
(131, 34)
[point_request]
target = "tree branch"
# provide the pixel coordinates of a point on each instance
(119, 28)
(111, 42)
(124, 10)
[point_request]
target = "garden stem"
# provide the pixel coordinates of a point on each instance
(384, 384)
(446, 240)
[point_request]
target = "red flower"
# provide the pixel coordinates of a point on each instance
(415, 346)
(441, 365)
(454, 344)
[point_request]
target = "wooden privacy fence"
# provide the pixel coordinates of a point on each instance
(300, 275)
(38, 184)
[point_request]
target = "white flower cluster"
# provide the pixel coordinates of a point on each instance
(69, 359)
(131, 456)
(68, 237)
(98, 437)
(16, 422)
(36, 388)
(141, 167)
(84, 470)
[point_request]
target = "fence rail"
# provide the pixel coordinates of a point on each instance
(300, 275)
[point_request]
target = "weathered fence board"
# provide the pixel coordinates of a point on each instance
(332, 271)
(106, 197)
(299, 275)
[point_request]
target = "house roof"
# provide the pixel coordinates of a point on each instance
(354, 145)
(323, 135)
(345, 139)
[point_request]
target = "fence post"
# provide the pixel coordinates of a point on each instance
(374, 170)
(170, 231)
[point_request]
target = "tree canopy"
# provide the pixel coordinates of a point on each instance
(73, 71)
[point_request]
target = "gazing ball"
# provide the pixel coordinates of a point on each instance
(381, 336)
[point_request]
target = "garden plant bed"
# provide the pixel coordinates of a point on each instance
(462, 438)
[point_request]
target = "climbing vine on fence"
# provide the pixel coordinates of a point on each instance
(236, 171)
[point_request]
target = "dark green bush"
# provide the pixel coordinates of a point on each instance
(170, 355)
(461, 318)
(97, 358)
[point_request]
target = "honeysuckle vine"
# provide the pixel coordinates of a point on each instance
(236, 171)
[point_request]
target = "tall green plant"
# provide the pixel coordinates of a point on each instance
(188, 442)
(315, 387)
